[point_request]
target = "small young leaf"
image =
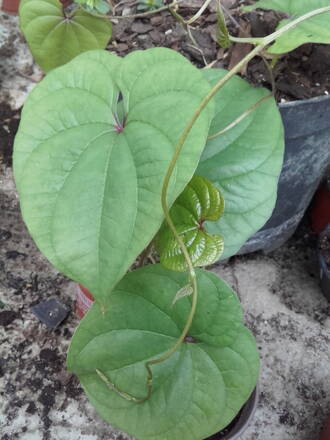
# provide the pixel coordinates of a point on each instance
(312, 30)
(222, 30)
(55, 39)
(199, 202)
(199, 389)
(181, 293)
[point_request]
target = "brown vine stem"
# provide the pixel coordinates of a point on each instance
(178, 148)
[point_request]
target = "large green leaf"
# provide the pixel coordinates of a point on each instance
(313, 30)
(90, 188)
(244, 162)
(198, 390)
(55, 39)
(199, 202)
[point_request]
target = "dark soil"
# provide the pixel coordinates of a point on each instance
(304, 73)
(9, 120)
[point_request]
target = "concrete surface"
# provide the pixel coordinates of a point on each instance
(290, 320)
(283, 307)
(18, 72)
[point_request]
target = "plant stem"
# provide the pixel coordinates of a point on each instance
(265, 41)
(249, 40)
(198, 13)
(270, 73)
(240, 118)
(178, 148)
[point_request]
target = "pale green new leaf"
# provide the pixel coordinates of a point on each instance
(182, 292)
(55, 39)
(222, 30)
(200, 201)
(313, 30)
(244, 162)
(89, 177)
(199, 389)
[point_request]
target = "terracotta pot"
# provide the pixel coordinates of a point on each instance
(84, 300)
(325, 434)
(10, 6)
(241, 422)
(320, 211)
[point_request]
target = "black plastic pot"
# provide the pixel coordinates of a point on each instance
(324, 268)
(241, 423)
(307, 155)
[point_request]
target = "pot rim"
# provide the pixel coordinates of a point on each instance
(250, 411)
(298, 102)
(247, 413)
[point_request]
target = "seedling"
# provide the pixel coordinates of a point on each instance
(104, 149)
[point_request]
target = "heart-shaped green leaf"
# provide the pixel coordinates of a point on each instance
(199, 389)
(244, 162)
(313, 30)
(199, 202)
(55, 39)
(89, 179)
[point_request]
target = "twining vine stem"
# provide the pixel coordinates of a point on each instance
(178, 148)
